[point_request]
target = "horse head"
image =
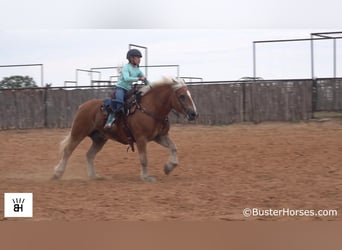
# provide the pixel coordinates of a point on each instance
(177, 94)
(182, 101)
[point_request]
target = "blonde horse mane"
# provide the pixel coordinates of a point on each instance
(175, 83)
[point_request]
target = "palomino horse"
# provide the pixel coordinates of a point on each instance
(149, 122)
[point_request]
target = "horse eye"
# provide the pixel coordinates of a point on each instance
(182, 98)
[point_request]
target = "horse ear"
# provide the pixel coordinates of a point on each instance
(179, 81)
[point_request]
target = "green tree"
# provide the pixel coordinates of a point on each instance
(14, 82)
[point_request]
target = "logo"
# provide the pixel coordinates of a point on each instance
(18, 205)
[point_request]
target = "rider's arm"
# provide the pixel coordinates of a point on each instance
(143, 78)
(126, 76)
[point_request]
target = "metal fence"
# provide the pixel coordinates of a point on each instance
(217, 103)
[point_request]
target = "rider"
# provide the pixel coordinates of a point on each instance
(130, 73)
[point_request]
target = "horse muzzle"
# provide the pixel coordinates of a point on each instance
(191, 115)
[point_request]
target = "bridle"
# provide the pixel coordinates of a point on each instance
(163, 119)
(181, 99)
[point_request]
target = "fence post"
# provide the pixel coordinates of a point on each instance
(46, 105)
(314, 97)
(243, 85)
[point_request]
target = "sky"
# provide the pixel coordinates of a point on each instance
(212, 40)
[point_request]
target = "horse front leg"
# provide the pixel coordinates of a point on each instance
(165, 141)
(142, 145)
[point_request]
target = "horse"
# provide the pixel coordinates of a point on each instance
(147, 121)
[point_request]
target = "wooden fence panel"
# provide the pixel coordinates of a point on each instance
(62, 104)
(338, 95)
(8, 110)
(56, 109)
(329, 95)
(219, 103)
(277, 101)
(30, 108)
(22, 109)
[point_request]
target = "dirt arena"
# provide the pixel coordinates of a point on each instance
(223, 169)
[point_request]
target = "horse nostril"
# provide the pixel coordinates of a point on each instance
(192, 115)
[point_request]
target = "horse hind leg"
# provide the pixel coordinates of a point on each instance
(165, 141)
(67, 146)
(98, 142)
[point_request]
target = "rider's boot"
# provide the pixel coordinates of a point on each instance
(110, 120)
(111, 114)
(117, 108)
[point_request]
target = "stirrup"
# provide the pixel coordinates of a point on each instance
(110, 120)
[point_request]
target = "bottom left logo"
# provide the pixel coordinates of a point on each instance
(18, 205)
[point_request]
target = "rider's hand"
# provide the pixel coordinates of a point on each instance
(144, 80)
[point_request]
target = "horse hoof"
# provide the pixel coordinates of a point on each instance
(168, 168)
(97, 178)
(149, 179)
(55, 177)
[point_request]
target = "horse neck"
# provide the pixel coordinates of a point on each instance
(158, 100)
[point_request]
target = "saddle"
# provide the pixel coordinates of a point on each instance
(132, 99)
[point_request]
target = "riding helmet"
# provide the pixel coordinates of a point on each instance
(133, 52)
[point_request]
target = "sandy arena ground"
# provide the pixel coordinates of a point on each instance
(223, 169)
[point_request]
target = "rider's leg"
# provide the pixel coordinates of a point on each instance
(119, 100)
(117, 105)
(110, 119)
